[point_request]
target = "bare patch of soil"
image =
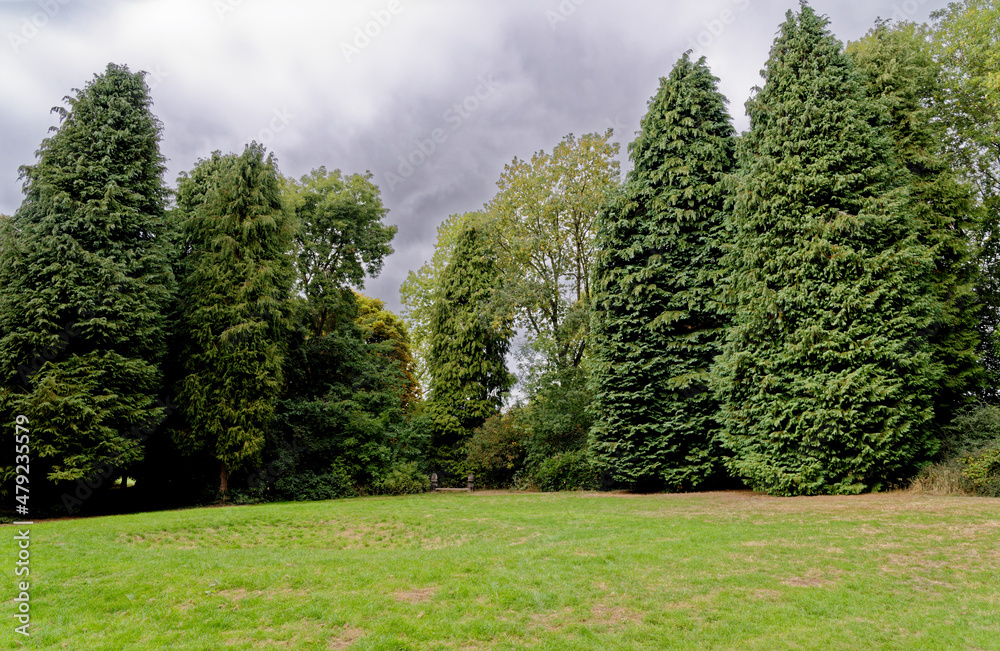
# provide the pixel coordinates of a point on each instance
(345, 637)
(415, 596)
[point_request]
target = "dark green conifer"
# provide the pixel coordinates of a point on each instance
(84, 284)
(657, 325)
(902, 76)
(235, 281)
(827, 375)
(469, 344)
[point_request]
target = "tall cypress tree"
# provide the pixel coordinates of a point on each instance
(657, 324)
(900, 73)
(84, 282)
(234, 291)
(469, 344)
(827, 373)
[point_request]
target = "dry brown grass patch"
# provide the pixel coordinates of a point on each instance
(415, 596)
(345, 637)
(811, 579)
(612, 615)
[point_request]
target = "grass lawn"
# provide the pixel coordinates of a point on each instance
(729, 570)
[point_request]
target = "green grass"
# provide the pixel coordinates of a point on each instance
(514, 571)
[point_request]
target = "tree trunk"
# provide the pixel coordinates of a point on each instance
(223, 480)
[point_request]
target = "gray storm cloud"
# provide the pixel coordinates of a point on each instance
(433, 97)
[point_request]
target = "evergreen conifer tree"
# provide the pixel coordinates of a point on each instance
(84, 284)
(234, 289)
(900, 73)
(827, 375)
(469, 344)
(657, 325)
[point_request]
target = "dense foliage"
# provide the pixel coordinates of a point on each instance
(542, 222)
(380, 326)
(969, 461)
(340, 238)
(85, 286)
(497, 450)
(828, 372)
(340, 409)
(469, 342)
(900, 75)
(964, 42)
(811, 307)
(420, 291)
(658, 322)
(234, 288)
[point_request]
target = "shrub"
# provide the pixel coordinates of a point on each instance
(972, 429)
(410, 440)
(403, 479)
(942, 478)
(567, 471)
(982, 470)
(306, 486)
(496, 450)
(557, 415)
(969, 460)
(524, 480)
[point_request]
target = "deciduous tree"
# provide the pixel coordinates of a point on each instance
(965, 41)
(386, 334)
(341, 236)
(542, 220)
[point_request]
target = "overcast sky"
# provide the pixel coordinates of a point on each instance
(432, 96)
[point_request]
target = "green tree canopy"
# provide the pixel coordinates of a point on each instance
(827, 374)
(234, 290)
(542, 221)
(469, 344)
(383, 329)
(658, 325)
(965, 41)
(341, 409)
(341, 237)
(901, 74)
(419, 292)
(85, 282)
(966, 37)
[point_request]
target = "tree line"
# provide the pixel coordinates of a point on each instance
(202, 342)
(807, 307)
